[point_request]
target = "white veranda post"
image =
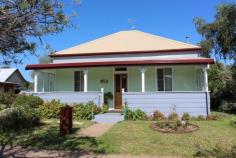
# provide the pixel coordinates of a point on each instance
(85, 71)
(143, 70)
(206, 78)
(35, 81)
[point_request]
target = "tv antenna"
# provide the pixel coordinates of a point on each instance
(132, 22)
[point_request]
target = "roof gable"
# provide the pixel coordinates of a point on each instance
(127, 41)
(5, 73)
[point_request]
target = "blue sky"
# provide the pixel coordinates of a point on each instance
(169, 18)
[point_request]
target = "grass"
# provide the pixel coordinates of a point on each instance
(129, 137)
(137, 138)
(47, 137)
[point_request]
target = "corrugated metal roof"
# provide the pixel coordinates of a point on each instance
(5, 73)
(125, 41)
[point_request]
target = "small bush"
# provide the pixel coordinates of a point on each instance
(173, 117)
(31, 101)
(6, 99)
(201, 118)
(158, 116)
(84, 111)
(213, 117)
(233, 121)
(133, 114)
(50, 109)
(228, 107)
(104, 109)
(186, 116)
(17, 118)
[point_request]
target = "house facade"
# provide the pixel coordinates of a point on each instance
(10, 80)
(142, 70)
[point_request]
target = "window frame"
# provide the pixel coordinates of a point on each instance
(163, 68)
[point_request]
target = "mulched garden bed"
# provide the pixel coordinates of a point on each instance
(187, 129)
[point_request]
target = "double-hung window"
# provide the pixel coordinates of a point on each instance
(164, 79)
(78, 81)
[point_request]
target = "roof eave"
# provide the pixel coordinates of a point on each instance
(120, 63)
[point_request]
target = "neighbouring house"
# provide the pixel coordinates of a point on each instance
(11, 80)
(142, 70)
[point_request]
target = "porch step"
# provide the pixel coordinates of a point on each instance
(109, 118)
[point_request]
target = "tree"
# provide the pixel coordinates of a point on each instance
(22, 20)
(219, 36)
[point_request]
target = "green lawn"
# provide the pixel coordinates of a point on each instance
(131, 137)
(128, 137)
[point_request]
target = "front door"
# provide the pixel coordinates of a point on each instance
(120, 83)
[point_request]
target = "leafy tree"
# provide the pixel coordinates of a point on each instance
(22, 20)
(219, 36)
(219, 76)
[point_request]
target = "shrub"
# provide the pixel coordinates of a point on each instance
(107, 96)
(213, 117)
(201, 118)
(158, 116)
(83, 111)
(228, 107)
(233, 121)
(134, 114)
(31, 101)
(186, 116)
(50, 109)
(173, 117)
(6, 99)
(104, 109)
(17, 118)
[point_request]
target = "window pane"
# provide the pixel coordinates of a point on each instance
(120, 69)
(160, 81)
(79, 81)
(168, 79)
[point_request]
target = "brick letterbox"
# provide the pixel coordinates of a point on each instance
(66, 120)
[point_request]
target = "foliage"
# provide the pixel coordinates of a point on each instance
(6, 99)
(228, 107)
(219, 36)
(17, 118)
(104, 109)
(107, 96)
(233, 121)
(31, 101)
(133, 115)
(216, 152)
(218, 76)
(158, 116)
(22, 20)
(173, 116)
(50, 109)
(84, 111)
(186, 116)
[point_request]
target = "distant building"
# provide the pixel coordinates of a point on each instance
(11, 80)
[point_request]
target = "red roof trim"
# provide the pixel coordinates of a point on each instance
(120, 63)
(128, 52)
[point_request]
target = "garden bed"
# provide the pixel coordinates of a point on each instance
(168, 127)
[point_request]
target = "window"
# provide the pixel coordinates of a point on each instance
(79, 81)
(120, 69)
(164, 79)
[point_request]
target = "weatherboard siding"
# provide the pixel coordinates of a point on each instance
(73, 97)
(127, 57)
(195, 103)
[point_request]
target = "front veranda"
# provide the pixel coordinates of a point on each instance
(180, 88)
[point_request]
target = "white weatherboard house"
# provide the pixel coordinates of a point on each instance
(144, 71)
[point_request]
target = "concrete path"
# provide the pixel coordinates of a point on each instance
(95, 130)
(109, 118)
